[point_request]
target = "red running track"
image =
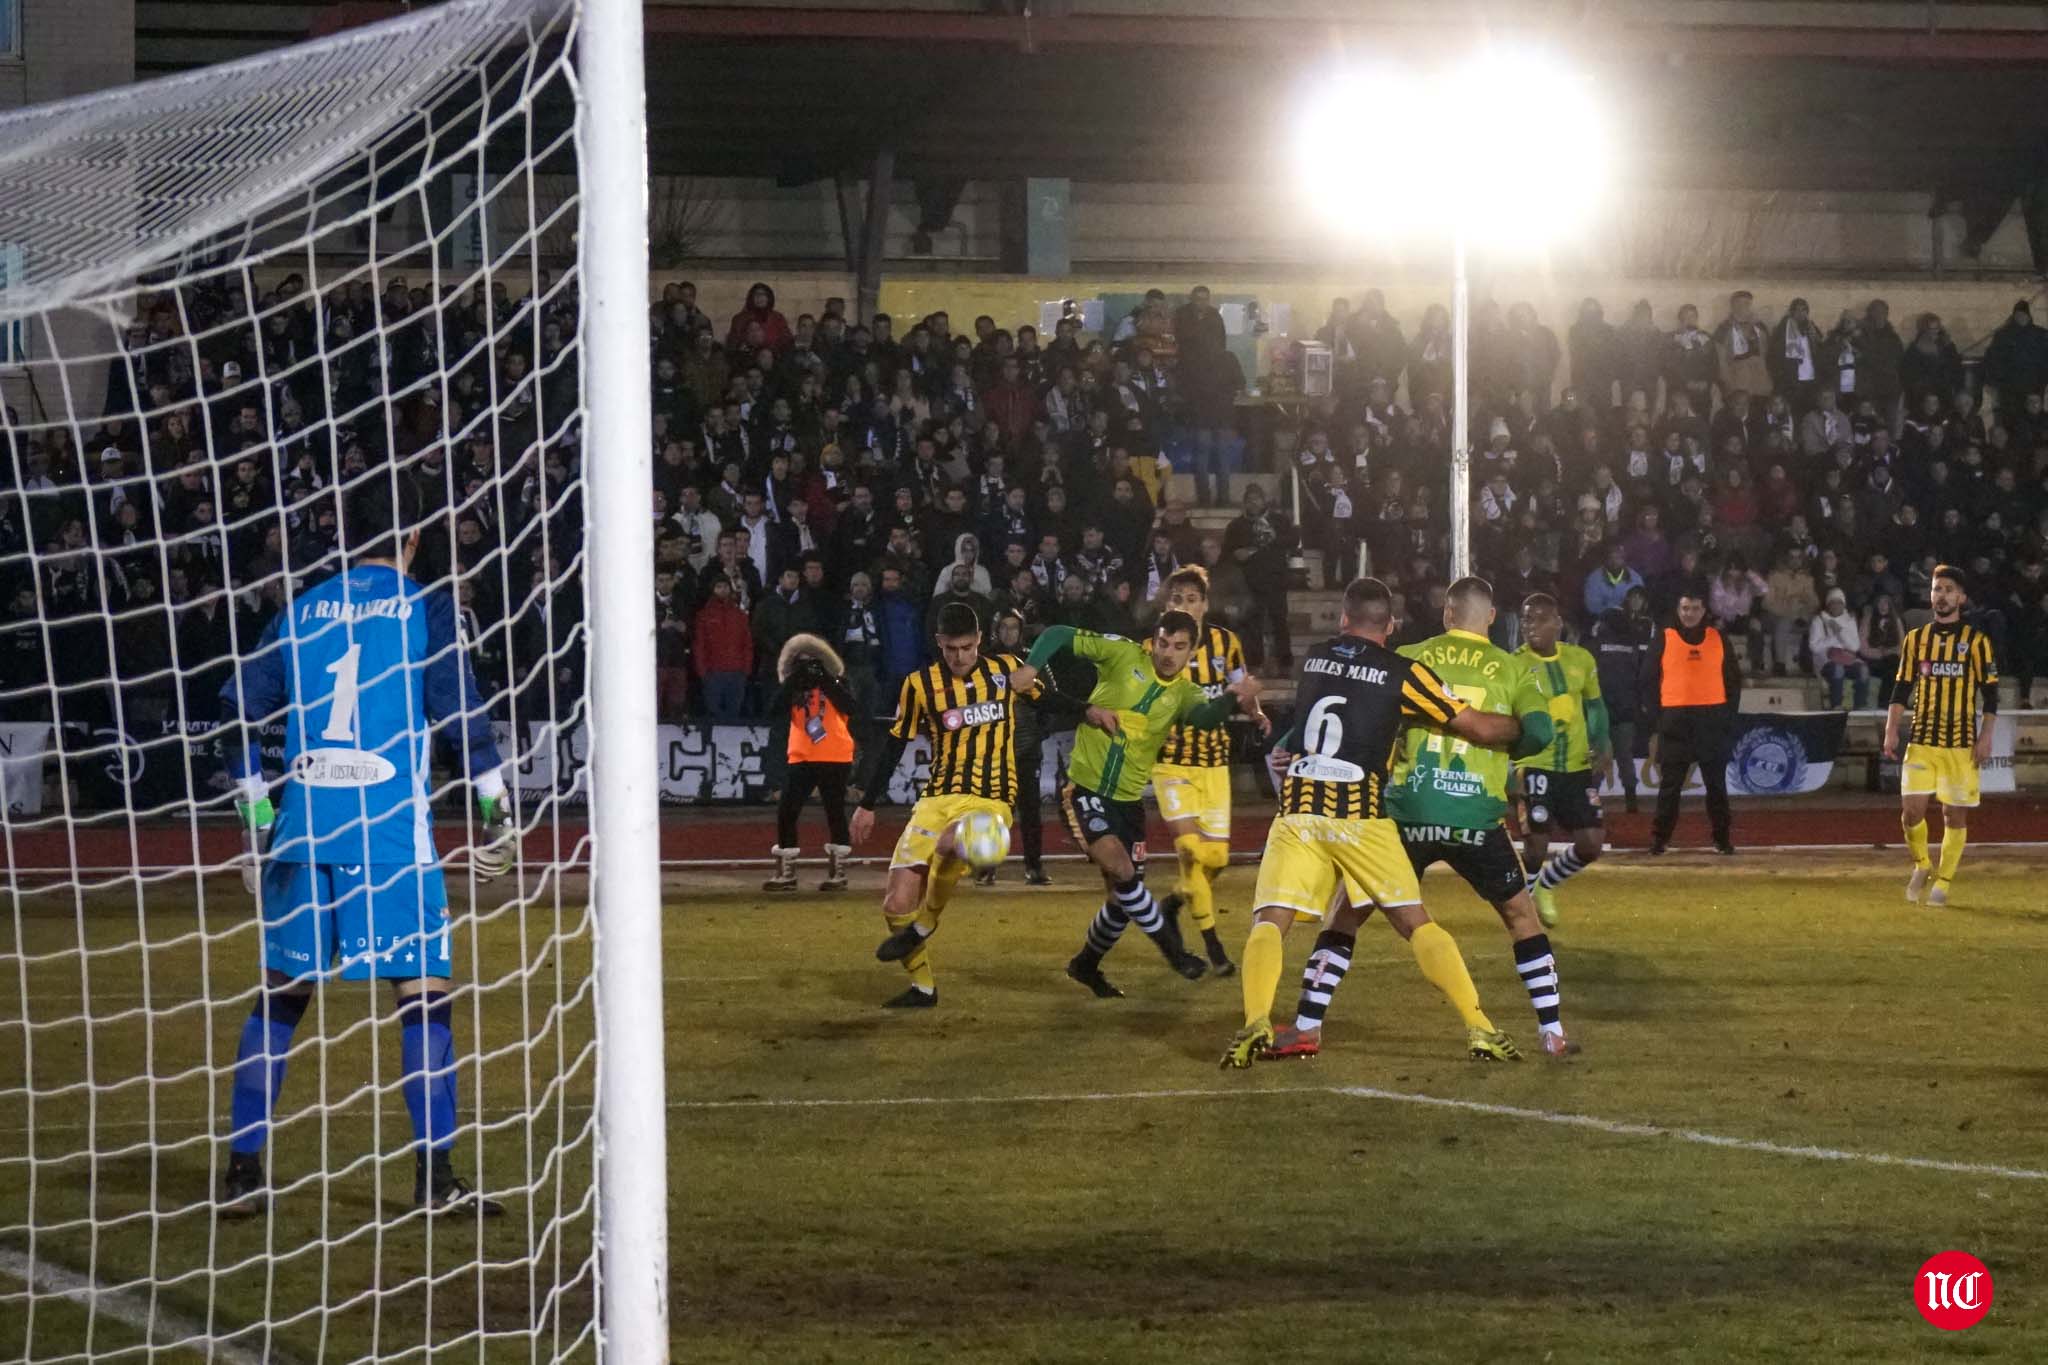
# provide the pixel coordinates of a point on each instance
(725, 835)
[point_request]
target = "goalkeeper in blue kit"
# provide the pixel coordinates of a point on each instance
(364, 668)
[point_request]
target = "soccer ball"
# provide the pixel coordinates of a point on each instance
(983, 838)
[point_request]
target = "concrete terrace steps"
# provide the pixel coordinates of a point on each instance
(1181, 487)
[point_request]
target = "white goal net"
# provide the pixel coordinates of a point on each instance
(297, 514)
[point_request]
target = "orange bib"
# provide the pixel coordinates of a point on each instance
(817, 732)
(1692, 673)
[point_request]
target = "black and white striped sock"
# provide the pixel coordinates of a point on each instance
(1137, 904)
(1105, 929)
(1562, 867)
(1320, 977)
(1538, 970)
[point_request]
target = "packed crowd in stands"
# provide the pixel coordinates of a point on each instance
(850, 478)
(1808, 481)
(166, 535)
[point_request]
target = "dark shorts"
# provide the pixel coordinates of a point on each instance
(1559, 801)
(1485, 858)
(1091, 817)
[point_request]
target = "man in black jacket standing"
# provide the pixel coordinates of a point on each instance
(1879, 356)
(1198, 326)
(1691, 685)
(2017, 363)
(1035, 717)
(1621, 643)
(1260, 542)
(1209, 380)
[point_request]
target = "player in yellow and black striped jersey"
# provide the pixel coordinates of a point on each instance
(1949, 676)
(963, 705)
(1353, 698)
(1945, 668)
(1191, 781)
(1368, 723)
(971, 726)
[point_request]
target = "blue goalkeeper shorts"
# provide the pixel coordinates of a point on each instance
(383, 921)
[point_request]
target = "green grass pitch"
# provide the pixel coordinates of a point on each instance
(1027, 1174)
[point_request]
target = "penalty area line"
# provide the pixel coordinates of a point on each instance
(159, 1328)
(1691, 1135)
(1555, 1118)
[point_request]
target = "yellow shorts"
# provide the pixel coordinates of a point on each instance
(1948, 775)
(1200, 794)
(1309, 857)
(929, 818)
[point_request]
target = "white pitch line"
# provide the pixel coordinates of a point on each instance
(1693, 1135)
(159, 1328)
(1366, 1092)
(1084, 1097)
(1616, 1127)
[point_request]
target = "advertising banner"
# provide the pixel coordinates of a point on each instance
(21, 767)
(708, 763)
(1778, 753)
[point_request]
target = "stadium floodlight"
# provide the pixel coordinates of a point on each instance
(400, 268)
(1507, 151)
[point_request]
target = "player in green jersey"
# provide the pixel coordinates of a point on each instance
(1561, 784)
(1137, 700)
(1449, 799)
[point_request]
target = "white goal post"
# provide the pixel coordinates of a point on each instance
(398, 272)
(633, 1130)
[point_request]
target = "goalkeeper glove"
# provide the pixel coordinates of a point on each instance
(491, 857)
(257, 816)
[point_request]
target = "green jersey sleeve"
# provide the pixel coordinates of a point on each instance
(1050, 641)
(1531, 706)
(1110, 649)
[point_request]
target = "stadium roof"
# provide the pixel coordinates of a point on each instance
(1759, 94)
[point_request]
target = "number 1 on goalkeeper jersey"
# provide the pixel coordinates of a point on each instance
(365, 668)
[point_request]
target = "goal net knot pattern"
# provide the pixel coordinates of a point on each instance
(240, 311)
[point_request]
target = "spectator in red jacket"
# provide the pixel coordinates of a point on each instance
(1736, 512)
(725, 653)
(1010, 403)
(1777, 497)
(775, 333)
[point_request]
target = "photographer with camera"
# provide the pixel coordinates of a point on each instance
(822, 713)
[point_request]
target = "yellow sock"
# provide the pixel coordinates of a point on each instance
(1194, 881)
(938, 890)
(1260, 970)
(919, 963)
(1436, 952)
(1916, 843)
(1952, 840)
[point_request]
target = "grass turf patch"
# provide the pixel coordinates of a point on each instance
(956, 1208)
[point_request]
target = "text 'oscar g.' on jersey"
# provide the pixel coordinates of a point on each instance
(1441, 779)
